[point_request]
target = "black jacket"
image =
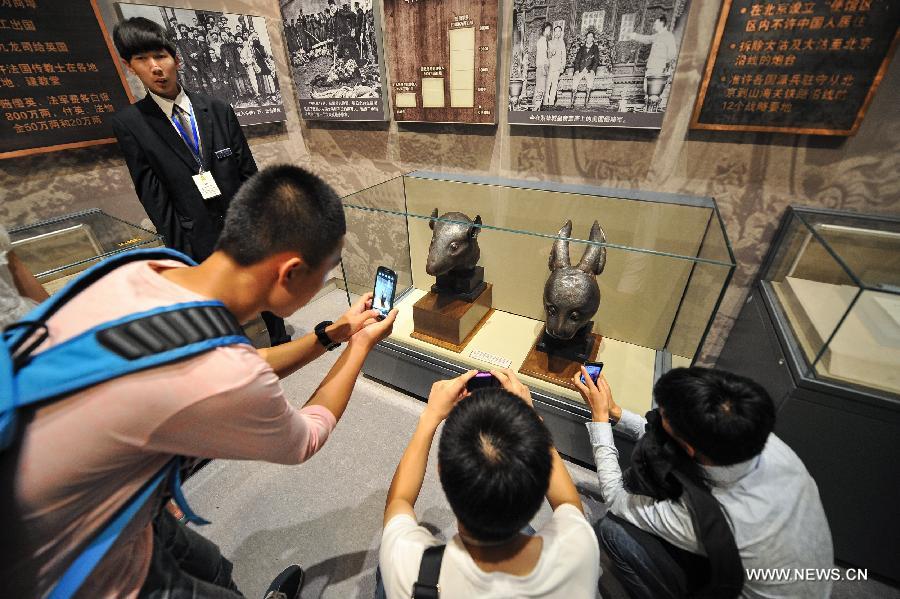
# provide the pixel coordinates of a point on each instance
(587, 58)
(162, 167)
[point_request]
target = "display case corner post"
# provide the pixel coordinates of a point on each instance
(780, 233)
(715, 312)
(721, 221)
(346, 284)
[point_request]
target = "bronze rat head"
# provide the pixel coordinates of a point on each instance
(454, 245)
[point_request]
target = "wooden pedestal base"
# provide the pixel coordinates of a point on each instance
(555, 369)
(450, 323)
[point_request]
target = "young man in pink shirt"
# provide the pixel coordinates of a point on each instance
(81, 458)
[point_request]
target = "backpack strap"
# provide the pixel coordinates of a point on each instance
(33, 328)
(426, 587)
(90, 556)
(726, 571)
(120, 347)
(16, 334)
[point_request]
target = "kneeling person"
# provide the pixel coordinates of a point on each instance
(713, 434)
(496, 463)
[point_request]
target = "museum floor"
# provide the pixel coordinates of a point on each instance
(326, 514)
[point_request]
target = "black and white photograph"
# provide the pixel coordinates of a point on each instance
(335, 58)
(223, 55)
(600, 63)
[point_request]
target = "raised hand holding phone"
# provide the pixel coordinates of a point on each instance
(598, 396)
(510, 382)
(353, 320)
(445, 394)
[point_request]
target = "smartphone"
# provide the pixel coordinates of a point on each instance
(594, 369)
(385, 287)
(482, 380)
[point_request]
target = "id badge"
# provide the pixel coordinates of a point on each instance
(206, 185)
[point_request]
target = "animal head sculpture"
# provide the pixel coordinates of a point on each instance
(454, 245)
(571, 295)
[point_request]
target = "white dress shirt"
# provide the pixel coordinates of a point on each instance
(772, 503)
(183, 102)
(168, 106)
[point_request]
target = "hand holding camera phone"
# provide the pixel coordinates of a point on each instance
(594, 369)
(385, 288)
(482, 380)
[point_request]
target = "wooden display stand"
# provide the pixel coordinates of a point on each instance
(556, 368)
(450, 322)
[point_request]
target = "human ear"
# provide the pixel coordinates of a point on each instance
(290, 269)
(687, 447)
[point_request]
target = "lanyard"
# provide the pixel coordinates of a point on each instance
(192, 141)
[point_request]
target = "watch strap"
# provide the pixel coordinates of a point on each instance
(326, 341)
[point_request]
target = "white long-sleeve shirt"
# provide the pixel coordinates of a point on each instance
(772, 503)
(540, 53)
(663, 50)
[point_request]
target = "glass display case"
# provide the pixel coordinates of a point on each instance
(820, 331)
(56, 250)
(835, 280)
(667, 264)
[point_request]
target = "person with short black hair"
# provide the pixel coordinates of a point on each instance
(283, 234)
(587, 59)
(496, 463)
(174, 139)
(709, 443)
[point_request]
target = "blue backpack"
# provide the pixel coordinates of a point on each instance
(130, 344)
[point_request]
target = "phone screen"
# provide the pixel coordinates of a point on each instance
(482, 380)
(385, 286)
(594, 369)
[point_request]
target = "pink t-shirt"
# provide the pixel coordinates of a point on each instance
(81, 458)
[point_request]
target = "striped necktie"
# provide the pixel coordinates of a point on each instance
(185, 120)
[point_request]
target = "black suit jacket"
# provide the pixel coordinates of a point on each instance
(162, 167)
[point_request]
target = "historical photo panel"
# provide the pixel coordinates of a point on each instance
(442, 58)
(226, 56)
(335, 57)
(601, 63)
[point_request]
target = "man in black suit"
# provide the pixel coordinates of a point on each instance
(185, 151)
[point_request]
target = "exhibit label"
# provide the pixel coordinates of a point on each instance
(796, 67)
(59, 78)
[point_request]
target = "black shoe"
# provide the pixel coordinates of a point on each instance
(287, 585)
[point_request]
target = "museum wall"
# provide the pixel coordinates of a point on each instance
(752, 176)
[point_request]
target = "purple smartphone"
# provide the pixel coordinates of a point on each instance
(482, 380)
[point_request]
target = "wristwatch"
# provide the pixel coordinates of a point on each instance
(326, 341)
